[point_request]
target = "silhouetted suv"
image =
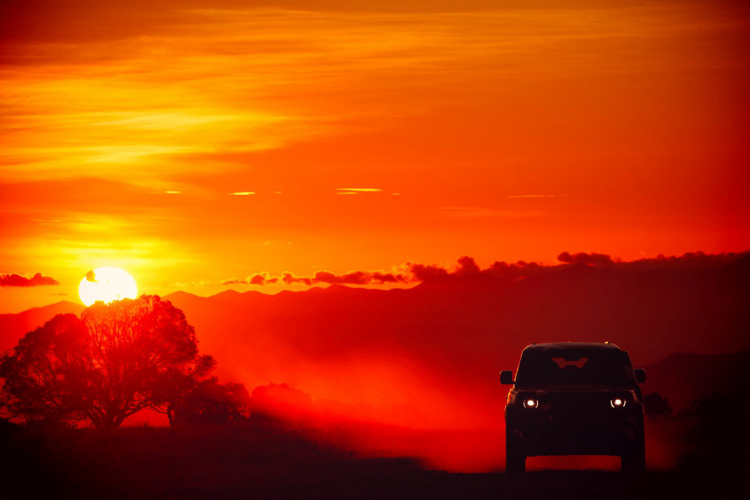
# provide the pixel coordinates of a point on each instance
(574, 399)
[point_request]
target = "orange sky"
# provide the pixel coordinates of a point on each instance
(125, 131)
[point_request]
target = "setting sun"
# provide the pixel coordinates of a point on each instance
(107, 284)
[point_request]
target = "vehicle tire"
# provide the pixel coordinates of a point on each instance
(634, 459)
(515, 458)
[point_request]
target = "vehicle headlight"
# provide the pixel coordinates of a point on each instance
(618, 402)
(530, 403)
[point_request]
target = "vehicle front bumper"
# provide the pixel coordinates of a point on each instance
(546, 433)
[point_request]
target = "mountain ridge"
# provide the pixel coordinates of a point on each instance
(446, 339)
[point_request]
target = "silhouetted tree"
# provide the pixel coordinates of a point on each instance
(210, 402)
(114, 361)
(656, 405)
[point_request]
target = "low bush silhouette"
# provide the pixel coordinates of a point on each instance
(722, 433)
(656, 406)
(210, 402)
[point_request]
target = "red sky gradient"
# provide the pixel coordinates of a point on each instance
(363, 139)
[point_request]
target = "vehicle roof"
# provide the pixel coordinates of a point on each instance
(557, 346)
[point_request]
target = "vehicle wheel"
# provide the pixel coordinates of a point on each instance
(515, 459)
(634, 458)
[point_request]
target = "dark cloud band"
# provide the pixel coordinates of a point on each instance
(467, 266)
(23, 281)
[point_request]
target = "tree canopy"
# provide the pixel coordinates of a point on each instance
(113, 361)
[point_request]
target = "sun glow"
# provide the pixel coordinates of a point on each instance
(107, 284)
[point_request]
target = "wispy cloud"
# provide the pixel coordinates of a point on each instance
(538, 196)
(357, 190)
(229, 80)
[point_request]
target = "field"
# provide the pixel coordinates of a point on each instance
(266, 459)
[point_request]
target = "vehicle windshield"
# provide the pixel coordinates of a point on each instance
(575, 366)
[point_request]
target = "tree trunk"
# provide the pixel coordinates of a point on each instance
(170, 415)
(112, 421)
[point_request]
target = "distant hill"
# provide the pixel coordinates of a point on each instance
(682, 378)
(14, 326)
(452, 335)
(441, 344)
(652, 314)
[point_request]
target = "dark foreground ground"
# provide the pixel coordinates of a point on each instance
(265, 460)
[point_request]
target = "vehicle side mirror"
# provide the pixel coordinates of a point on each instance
(506, 377)
(640, 375)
